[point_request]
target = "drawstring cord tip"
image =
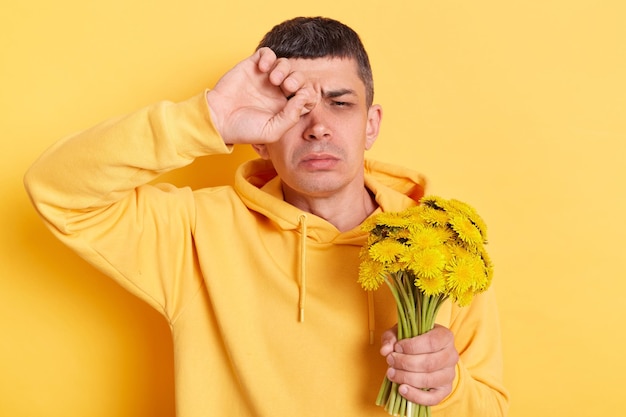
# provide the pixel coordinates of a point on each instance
(301, 317)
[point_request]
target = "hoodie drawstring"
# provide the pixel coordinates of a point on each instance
(302, 283)
(302, 266)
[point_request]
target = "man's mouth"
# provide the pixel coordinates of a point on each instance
(319, 161)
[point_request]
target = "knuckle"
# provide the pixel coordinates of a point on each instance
(430, 363)
(428, 381)
(399, 376)
(455, 357)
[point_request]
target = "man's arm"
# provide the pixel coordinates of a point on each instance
(90, 190)
(100, 165)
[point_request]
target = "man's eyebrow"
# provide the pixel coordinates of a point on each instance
(338, 93)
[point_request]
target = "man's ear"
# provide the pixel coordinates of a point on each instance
(261, 149)
(374, 117)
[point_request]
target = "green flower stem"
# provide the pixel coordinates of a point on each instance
(418, 306)
(425, 322)
(403, 330)
(409, 409)
(417, 313)
(383, 392)
(407, 302)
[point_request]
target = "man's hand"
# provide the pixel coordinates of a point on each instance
(425, 365)
(259, 100)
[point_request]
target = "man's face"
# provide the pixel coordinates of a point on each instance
(323, 154)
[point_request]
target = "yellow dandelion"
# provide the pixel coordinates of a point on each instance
(432, 286)
(413, 210)
(486, 260)
(472, 215)
(422, 237)
(433, 216)
(397, 266)
(369, 224)
(392, 219)
(371, 239)
(481, 274)
(400, 234)
(466, 230)
(387, 251)
(434, 202)
(371, 274)
(486, 270)
(461, 274)
(439, 243)
(463, 299)
(457, 205)
(425, 263)
(473, 260)
(457, 250)
(447, 234)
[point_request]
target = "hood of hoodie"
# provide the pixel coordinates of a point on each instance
(395, 188)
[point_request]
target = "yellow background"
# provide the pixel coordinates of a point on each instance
(518, 107)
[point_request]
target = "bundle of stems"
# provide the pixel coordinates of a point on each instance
(416, 315)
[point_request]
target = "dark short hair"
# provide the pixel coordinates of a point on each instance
(319, 37)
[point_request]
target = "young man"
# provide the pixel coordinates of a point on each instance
(259, 281)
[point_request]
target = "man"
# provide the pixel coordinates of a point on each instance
(259, 281)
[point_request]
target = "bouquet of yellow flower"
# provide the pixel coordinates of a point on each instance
(425, 255)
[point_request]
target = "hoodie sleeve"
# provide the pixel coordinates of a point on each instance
(90, 190)
(479, 388)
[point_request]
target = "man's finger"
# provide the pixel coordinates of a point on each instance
(435, 340)
(423, 362)
(265, 59)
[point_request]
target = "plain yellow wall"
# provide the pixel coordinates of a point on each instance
(518, 107)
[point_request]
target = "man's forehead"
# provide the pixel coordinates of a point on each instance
(330, 73)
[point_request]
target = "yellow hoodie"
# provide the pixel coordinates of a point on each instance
(262, 299)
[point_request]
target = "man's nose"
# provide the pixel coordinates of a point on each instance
(317, 124)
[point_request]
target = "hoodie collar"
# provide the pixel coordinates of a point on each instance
(257, 183)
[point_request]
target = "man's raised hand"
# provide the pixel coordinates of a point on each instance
(259, 99)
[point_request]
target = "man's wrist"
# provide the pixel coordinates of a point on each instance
(214, 112)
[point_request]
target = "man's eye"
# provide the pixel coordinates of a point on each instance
(341, 103)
